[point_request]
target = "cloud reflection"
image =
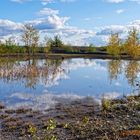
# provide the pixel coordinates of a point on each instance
(40, 102)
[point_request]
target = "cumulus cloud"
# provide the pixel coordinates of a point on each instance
(107, 30)
(55, 25)
(9, 27)
(52, 22)
(104, 32)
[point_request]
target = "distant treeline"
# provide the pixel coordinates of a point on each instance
(30, 39)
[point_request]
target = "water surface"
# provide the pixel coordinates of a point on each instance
(41, 84)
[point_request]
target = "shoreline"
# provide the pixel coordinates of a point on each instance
(68, 55)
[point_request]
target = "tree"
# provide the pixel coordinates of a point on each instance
(30, 37)
(56, 42)
(35, 40)
(48, 43)
(114, 45)
(10, 41)
(132, 44)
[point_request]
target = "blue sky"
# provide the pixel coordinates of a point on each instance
(76, 21)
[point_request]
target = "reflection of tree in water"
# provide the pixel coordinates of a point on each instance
(30, 71)
(114, 69)
(131, 72)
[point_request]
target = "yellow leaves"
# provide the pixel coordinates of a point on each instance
(114, 45)
(131, 46)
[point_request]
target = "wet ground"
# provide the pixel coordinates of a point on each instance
(85, 119)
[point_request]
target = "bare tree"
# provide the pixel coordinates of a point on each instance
(30, 37)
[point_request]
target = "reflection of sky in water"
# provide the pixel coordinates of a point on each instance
(72, 79)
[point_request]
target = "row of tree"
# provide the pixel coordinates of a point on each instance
(131, 46)
(30, 38)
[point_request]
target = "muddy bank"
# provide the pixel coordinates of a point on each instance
(80, 120)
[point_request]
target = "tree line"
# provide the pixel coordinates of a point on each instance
(30, 39)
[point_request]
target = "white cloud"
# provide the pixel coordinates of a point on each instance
(45, 2)
(52, 25)
(67, 0)
(41, 102)
(56, 25)
(104, 32)
(20, 1)
(52, 22)
(48, 11)
(9, 27)
(107, 30)
(115, 1)
(120, 1)
(87, 19)
(119, 11)
(73, 35)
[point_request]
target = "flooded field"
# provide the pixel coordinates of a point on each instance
(40, 84)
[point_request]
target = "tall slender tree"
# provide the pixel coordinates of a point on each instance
(30, 37)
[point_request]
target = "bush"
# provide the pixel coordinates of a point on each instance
(131, 45)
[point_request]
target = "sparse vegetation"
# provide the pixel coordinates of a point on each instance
(106, 104)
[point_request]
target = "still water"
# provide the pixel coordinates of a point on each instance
(41, 84)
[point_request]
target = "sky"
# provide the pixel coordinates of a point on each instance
(77, 22)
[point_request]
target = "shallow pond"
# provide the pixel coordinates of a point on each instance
(41, 84)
